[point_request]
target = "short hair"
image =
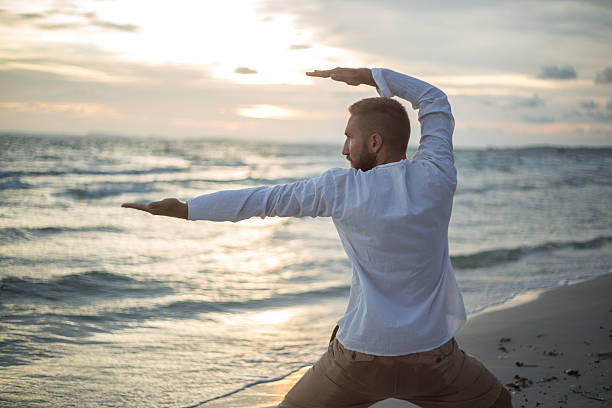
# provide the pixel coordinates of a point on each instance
(385, 116)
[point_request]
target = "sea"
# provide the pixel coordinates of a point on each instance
(107, 306)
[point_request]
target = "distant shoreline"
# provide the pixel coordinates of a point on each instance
(237, 139)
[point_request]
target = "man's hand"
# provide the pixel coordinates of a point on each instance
(170, 207)
(351, 76)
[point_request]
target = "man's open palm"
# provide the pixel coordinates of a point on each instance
(351, 76)
(169, 207)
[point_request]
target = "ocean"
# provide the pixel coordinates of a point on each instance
(107, 306)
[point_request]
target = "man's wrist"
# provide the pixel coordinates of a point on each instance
(183, 210)
(368, 79)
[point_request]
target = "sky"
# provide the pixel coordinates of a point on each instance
(516, 72)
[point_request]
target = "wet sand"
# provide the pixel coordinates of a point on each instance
(553, 351)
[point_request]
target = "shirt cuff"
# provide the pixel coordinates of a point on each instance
(191, 206)
(381, 85)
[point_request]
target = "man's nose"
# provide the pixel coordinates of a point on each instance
(345, 150)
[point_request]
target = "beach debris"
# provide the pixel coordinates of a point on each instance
(553, 353)
(539, 334)
(502, 348)
(595, 397)
(605, 356)
(521, 364)
(547, 379)
(572, 372)
(505, 339)
(519, 382)
(587, 343)
(578, 390)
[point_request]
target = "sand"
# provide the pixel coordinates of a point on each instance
(553, 351)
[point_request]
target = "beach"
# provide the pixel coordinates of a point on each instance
(552, 351)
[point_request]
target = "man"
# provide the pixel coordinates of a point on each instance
(396, 338)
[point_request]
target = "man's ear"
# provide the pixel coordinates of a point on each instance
(375, 143)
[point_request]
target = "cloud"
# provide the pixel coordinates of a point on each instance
(299, 47)
(109, 25)
(59, 26)
(558, 72)
(244, 70)
(88, 19)
(539, 119)
(532, 102)
(527, 37)
(589, 104)
(604, 77)
(31, 16)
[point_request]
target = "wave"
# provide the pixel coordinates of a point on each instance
(496, 188)
(500, 256)
(77, 288)
(38, 173)
(11, 234)
(108, 190)
(80, 289)
(184, 309)
(14, 184)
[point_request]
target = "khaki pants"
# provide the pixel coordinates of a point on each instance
(443, 377)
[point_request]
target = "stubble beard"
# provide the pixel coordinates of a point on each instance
(365, 163)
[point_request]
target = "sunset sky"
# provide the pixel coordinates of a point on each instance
(516, 72)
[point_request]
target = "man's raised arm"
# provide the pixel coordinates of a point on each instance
(437, 122)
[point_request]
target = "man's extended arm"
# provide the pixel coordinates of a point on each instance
(314, 197)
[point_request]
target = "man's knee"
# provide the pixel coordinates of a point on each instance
(504, 400)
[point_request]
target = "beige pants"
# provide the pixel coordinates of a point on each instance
(443, 377)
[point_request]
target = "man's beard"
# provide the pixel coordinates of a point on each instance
(365, 163)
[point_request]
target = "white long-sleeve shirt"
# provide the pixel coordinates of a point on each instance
(393, 224)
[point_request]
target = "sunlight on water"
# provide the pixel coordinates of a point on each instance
(268, 317)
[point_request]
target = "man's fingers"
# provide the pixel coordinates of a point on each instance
(346, 75)
(137, 206)
(320, 74)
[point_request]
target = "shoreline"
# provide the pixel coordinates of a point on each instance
(525, 363)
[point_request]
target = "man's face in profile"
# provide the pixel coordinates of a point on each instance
(356, 146)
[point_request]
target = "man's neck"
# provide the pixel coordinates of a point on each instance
(384, 159)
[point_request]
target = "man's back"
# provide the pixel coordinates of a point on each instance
(393, 223)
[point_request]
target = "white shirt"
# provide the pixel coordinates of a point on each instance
(393, 224)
